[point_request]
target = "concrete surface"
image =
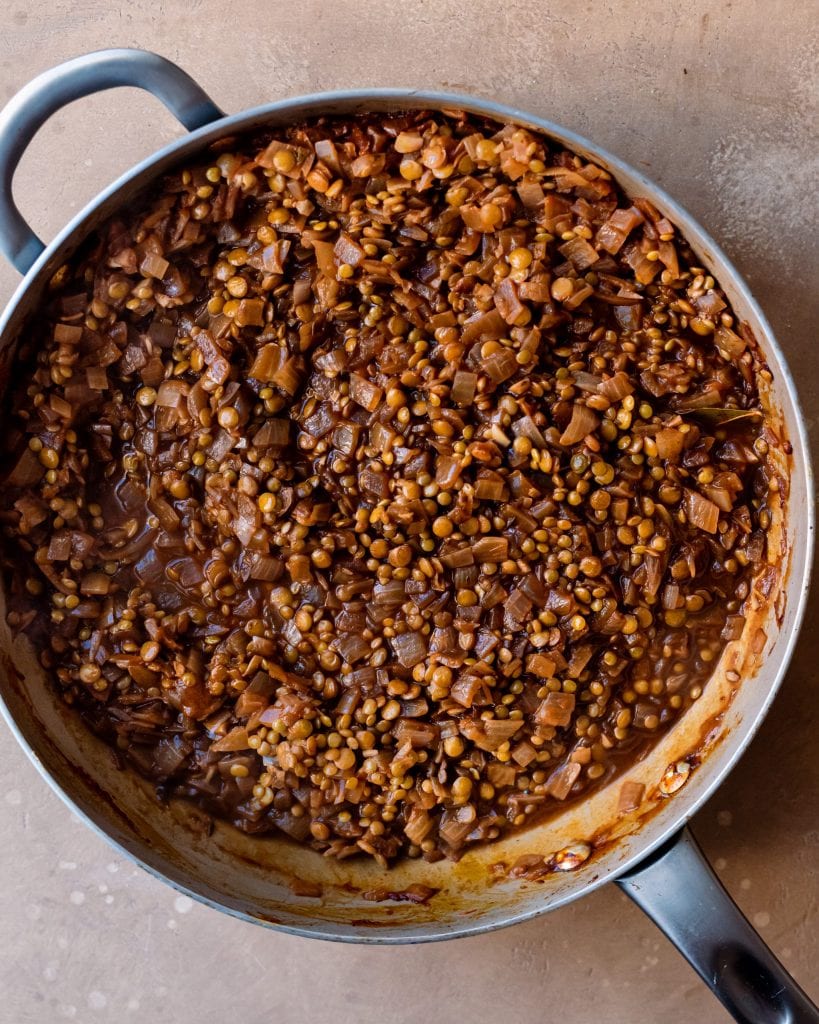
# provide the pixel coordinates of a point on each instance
(717, 102)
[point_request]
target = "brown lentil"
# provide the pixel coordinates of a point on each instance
(292, 568)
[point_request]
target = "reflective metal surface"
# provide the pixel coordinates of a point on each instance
(260, 880)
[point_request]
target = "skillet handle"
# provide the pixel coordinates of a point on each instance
(679, 891)
(26, 112)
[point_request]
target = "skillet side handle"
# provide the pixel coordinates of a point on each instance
(26, 112)
(679, 891)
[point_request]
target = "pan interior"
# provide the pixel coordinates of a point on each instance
(275, 881)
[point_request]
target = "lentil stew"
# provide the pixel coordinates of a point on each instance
(387, 481)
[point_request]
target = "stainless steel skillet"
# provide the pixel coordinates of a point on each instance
(648, 851)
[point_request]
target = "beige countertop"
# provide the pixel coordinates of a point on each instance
(717, 103)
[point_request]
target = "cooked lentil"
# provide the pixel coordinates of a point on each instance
(386, 481)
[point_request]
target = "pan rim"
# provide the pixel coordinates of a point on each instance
(314, 104)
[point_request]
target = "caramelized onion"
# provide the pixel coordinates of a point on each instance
(383, 481)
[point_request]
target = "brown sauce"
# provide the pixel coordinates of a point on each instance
(388, 482)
